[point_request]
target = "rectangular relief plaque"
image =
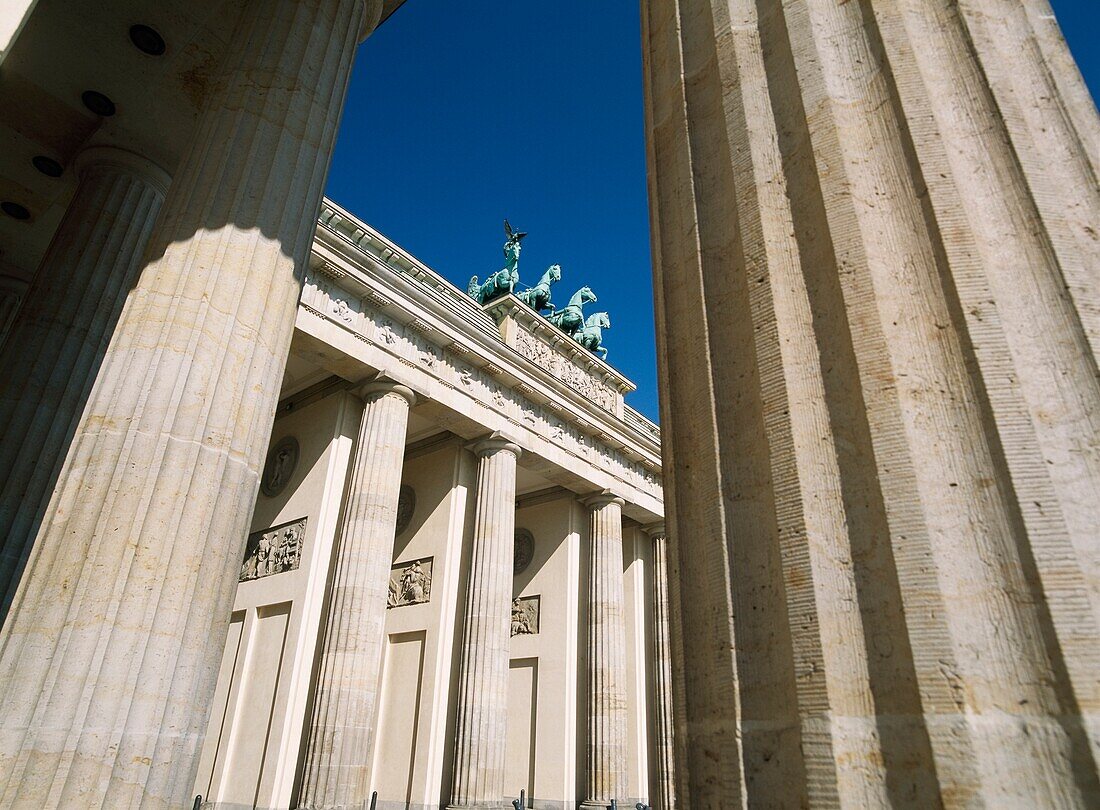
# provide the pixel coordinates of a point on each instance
(525, 615)
(274, 550)
(410, 583)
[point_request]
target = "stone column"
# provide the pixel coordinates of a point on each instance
(110, 653)
(338, 756)
(880, 495)
(481, 733)
(57, 343)
(664, 738)
(12, 292)
(605, 757)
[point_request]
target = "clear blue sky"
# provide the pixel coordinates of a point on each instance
(463, 113)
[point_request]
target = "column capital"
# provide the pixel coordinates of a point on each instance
(494, 442)
(122, 160)
(598, 500)
(379, 386)
(655, 530)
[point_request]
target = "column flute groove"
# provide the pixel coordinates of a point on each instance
(338, 755)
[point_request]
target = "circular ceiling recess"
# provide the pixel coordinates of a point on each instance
(147, 40)
(48, 166)
(98, 103)
(14, 210)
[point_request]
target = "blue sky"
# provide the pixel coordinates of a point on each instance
(461, 114)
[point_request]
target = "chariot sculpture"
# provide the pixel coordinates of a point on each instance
(503, 281)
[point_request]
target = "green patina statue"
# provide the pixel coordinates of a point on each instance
(591, 334)
(571, 318)
(538, 297)
(504, 280)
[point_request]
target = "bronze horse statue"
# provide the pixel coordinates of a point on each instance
(570, 318)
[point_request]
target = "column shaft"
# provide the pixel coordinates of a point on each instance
(664, 729)
(605, 759)
(338, 756)
(58, 341)
(888, 594)
(111, 650)
(481, 733)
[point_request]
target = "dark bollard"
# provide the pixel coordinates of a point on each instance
(373, 800)
(521, 802)
(198, 803)
(614, 805)
(640, 806)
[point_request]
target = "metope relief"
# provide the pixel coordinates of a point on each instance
(281, 462)
(410, 583)
(273, 551)
(525, 615)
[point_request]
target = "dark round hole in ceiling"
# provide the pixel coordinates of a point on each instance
(147, 40)
(48, 166)
(98, 103)
(14, 210)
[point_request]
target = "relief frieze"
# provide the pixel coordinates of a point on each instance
(549, 421)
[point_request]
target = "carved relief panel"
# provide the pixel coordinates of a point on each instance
(410, 583)
(525, 615)
(273, 551)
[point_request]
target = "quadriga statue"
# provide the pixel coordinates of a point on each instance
(570, 318)
(591, 334)
(538, 297)
(504, 280)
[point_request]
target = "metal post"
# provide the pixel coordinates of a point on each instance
(373, 799)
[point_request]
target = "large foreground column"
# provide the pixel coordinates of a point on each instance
(605, 755)
(58, 342)
(664, 746)
(110, 653)
(337, 761)
(481, 733)
(888, 558)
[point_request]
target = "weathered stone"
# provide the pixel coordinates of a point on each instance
(879, 495)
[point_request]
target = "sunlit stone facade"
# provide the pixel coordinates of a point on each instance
(288, 520)
(413, 613)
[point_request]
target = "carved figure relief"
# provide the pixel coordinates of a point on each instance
(525, 615)
(273, 551)
(342, 310)
(281, 461)
(406, 505)
(410, 583)
(524, 551)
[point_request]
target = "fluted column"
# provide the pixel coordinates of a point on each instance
(481, 733)
(59, 338)
(111, 650)
(337, 761)
(12, 292)
(879, 496)
(605, 757)
(664, 737)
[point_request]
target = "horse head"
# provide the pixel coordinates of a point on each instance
(600, 319)
(582, 296)
(553, 273)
